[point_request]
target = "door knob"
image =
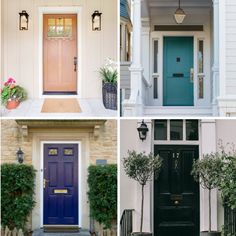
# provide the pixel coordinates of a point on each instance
(191, 75)
(75, 63)
(176, 202)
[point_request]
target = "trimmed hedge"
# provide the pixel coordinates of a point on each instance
(17, 190)
(102, 181)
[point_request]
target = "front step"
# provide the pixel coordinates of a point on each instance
(177, 111)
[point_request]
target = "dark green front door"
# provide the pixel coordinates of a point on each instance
(178, 62)
(176, 195)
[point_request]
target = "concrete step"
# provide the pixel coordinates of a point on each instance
(82, 232)
(177, 111)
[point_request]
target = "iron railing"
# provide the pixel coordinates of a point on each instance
(230, 221)
(126, 222)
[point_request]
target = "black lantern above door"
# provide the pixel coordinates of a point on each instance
(96, 21)
(142, 130)
(20, 156)
(24, 20)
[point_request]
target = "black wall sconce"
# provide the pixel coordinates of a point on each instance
(96, 21)
(20, 156)
(24, 20)
(142, 130)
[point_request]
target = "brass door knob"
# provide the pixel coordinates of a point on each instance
(176, 202)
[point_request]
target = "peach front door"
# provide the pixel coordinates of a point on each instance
(60, 53)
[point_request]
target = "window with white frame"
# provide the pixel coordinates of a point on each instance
(200, 69)
(176, 130)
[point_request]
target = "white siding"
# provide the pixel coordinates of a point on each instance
(230, 47)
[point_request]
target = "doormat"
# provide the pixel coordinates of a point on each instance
(61, 229)
(56, 105)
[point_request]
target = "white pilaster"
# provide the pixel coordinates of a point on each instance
(215, 67)
(134, 105)
(208, 145)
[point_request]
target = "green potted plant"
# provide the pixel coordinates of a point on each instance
(207, 172)
(12, 94)
(108, 74)
(141, 167)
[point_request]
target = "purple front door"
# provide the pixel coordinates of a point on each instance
(60, 184)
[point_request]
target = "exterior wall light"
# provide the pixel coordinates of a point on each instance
(142, 130)
(179, 15)
(24, 20)
(20, 156)
(96, 21)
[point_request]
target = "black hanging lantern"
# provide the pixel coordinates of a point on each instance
(20, 156)
(142, 130)
(24, 20)
(96, 21)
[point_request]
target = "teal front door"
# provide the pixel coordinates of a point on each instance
(178, 64)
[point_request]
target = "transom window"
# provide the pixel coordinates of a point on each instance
(176, 130)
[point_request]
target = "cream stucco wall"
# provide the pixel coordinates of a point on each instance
(20, 54)
(91, 148)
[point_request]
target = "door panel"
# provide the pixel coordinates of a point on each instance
(59, 51)
(61, 184)
(176, 195)
(178, 61)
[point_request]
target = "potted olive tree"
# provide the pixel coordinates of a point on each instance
(141, 167)
(207, 172)
(108, 74)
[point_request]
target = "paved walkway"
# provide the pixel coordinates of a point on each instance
(32, 108)
(39, 232)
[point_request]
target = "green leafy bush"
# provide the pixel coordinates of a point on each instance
(102, 181)
(17, 190)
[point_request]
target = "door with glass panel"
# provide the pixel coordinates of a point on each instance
(60, 53)
(176, 194)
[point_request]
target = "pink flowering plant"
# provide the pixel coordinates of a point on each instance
(12, 92)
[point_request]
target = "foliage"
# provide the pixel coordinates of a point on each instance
(17, 190)
(102, 195)
(227, 183)
(11, 91)
(109, 72)
(141, 167)
(207, 170)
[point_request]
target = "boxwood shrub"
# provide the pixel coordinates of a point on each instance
(17, 190)
(102, 194)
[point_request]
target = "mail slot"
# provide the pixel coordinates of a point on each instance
(178, 75)
(60, 191)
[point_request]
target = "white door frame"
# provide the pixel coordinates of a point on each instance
(42, 172)
(61, 10)
(183, 142)
(159, 35)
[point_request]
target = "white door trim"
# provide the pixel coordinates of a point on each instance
(61, 10)
(204, 35)
(41, 176)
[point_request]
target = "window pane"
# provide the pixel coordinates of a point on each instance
(200, 87)
(52, 152)
(200, 56)
(160, 130)
(68, 151)
(176, 130)
(155, 88)
(191, 129)
(155, 57)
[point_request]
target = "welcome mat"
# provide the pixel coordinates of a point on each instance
(57, 105)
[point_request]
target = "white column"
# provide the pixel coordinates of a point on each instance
(208, 145)
(136, 97)
(215, 67)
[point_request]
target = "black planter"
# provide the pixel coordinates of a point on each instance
(109, 95)
(141, 234)
(206, 233)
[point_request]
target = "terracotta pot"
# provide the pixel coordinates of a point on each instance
(13, 104)
(214, 233)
